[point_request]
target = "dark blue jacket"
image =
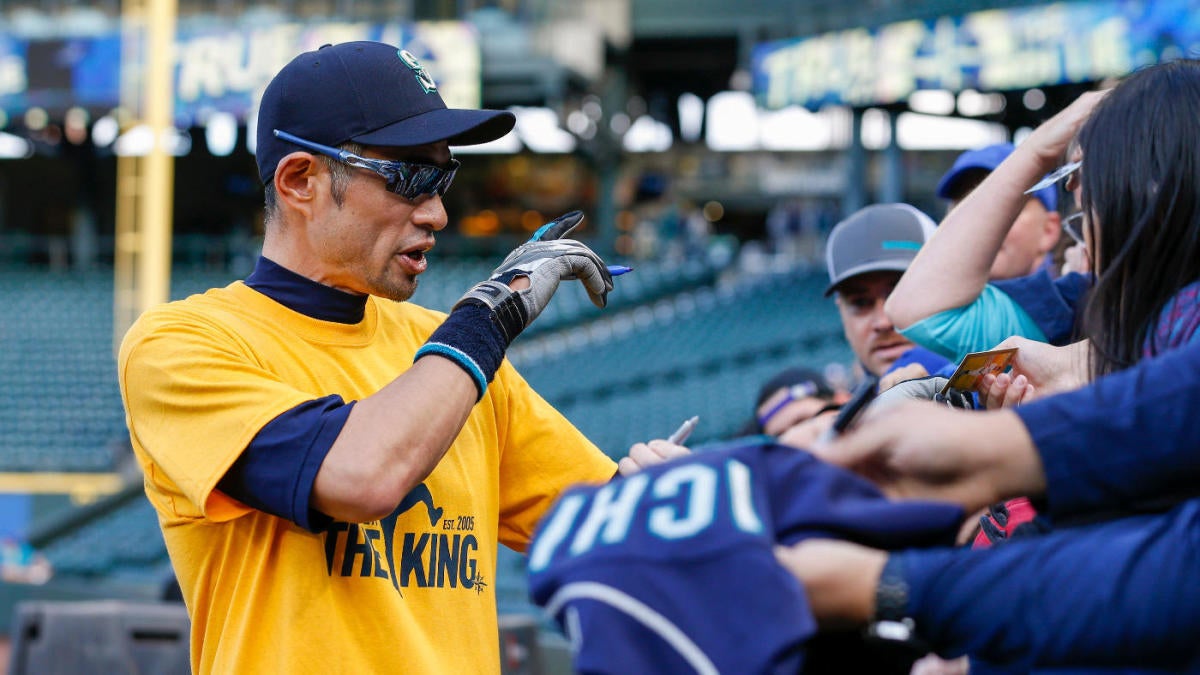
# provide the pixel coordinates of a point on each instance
(1122, 592)
(1052, 303)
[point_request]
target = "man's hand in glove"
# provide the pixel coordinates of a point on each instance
(923, 389)
(544, 260)
(484, 322)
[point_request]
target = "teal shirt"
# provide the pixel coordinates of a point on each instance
(976, 327)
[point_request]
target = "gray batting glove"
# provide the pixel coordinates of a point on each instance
(923, 389)
(546, 259)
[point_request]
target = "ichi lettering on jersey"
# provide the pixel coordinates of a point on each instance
(678, 504)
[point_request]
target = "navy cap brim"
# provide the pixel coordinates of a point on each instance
(456, 126)
(893, 265)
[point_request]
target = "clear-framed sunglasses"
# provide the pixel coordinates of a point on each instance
(411, 180)
(1067, 171)
(1073, 225)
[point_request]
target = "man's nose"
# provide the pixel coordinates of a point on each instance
(430, 213)
(879, 318)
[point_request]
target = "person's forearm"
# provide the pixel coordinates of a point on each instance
(1125, 441)
(1111, 594)
(393, 439)
(952, 267)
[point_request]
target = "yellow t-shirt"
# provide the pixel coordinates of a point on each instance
(414, 592)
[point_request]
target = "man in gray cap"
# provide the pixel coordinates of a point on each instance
(866, 254)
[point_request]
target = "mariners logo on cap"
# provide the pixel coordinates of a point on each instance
(423, 77)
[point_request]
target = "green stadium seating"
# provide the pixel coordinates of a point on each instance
(672, 344)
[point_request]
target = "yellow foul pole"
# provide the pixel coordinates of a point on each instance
(142, 259)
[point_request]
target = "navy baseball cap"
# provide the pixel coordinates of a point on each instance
(367, 92)
(986, 159)
(792, 377)
(878, 238)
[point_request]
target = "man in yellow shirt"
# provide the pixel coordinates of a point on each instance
(333, 467)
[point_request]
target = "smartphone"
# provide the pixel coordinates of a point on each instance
(863, 395)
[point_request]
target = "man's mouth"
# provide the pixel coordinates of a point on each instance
(892, 346)
(417, 253)
(414, 258)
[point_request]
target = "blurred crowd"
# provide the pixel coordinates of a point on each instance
(1030, 359)
(1010, 485)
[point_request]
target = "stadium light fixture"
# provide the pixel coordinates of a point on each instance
(732, 122)
(933, 132)
(36, 118)
(876, 129)
(220, 133)
(75, 124)
(538, 129)
(14, 147)
(794, 128)
(105, 131)
(975, 104)
(1034, 99)
(138, 141)
(931, 102)
(647, 134)
(691, 117)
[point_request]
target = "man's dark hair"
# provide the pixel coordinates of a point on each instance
(339, 179)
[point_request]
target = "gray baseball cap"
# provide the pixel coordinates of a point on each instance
(878, 238)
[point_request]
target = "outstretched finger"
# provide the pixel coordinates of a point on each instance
(591, 271)
(598, 283)
(559, 227)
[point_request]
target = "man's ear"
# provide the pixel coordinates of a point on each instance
(1052, 232)
(296, 180)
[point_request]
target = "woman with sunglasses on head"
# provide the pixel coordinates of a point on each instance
(1139, 188)
(1117, 456)
(945, 301)
(1135, 175)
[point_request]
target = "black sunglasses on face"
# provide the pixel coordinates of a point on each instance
(410, 180)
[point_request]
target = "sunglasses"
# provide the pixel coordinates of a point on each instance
(1073, 226)
(795, 393)
(410, 180)
(1068, 171)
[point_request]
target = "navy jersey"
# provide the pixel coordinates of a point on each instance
(672, 569)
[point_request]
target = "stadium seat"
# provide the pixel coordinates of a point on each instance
(107, 636)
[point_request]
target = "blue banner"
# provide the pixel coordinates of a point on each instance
(222, 69)
(991, 50)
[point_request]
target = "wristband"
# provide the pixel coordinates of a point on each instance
(891, 623)
(507, 311)
(471, 339)
(891, 593)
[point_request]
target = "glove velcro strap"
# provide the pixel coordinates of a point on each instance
(502, 303)
(470, 338)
